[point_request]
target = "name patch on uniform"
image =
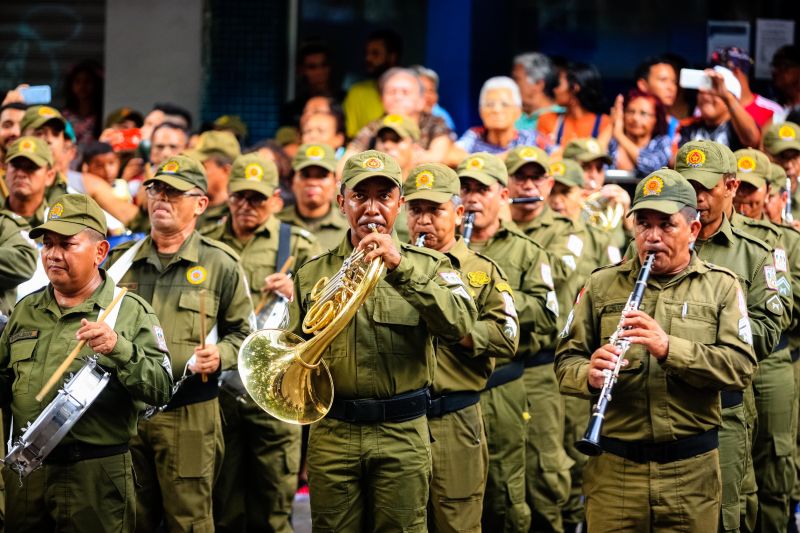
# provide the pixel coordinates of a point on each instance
(781, 264)
(24, 334)
(775, 305)
(196, 275)
(547, 275)
(552, 302)
(451, 278)
(745, 332)
(569, 262)
(575, 245)
(771, 277)
(160, 340)
(478, 278)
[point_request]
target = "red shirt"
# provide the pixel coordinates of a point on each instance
(762, 109)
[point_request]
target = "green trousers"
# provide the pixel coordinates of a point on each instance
(774, 440)
(258, 479)
(576, 418)
(369, 477)
(547, 465)
(94, 495)
(734, 449)
(176, 456)
(505, 417)
(796, 486)
(623, 495)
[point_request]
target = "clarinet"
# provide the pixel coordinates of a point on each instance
(469, 222)
(525, 200)
(787, 209)
(590, 443)
(420, 240)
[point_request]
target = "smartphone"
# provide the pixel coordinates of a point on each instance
(36, 94)
(125, 140)
(694, 79)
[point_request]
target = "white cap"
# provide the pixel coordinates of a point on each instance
(731, 83)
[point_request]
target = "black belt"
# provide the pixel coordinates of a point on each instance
(80, 451)
(506, 374)
(406, 406)
(544, 357)
(662, 452)
(783, 342)
(451, 402)
(731, 398)
(795, 354)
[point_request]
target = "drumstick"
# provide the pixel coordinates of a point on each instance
(74, 353)
(203, 376)
(264, 296)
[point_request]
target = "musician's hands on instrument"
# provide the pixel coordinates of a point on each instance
(206, 360)
(646, 331)
(279, 283)
(383, 247)
(98, 335)
(604, 358)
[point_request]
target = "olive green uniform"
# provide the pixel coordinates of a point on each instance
(505, 407)
(659, 403)
(18, 257)
(375, 476)
(328, 230)
(178, 452)
(258, 477)
(459, 449)
(67, 493)
(34, 220)
(56, 190)
(214, 215)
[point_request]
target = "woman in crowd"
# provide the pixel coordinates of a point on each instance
(639, 140)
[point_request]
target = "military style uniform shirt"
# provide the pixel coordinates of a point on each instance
(18, 257)
(214, 215)
(530, 277)
(328, 229)
(38, 217)
(201, 268)
(55, 191)
(495, 333)
(387, 349)
(39, 336)
(259, 254)
(700, 309)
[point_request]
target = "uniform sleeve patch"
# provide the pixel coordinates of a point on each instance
(741, 301)
(745, 332)
(781, 263)
(547, 275)
(504, 287)
(552, 302)
(771, 277)
(569, 262)
(613, 255)
(451, 278)
(461, 291)
(510, 309)
(568, 326)
(784, 288)
(510, 328)
(575, 245)
(160, 340)
(775, 305)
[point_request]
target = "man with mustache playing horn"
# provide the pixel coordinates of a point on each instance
(660, 466)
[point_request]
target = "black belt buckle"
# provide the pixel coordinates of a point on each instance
(368, 411)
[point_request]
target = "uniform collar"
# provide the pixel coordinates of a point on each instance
(100, 298)
(724, 234)
(189, 250)
(633, 266)
(458, 252)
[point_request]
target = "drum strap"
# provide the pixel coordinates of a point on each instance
(111, 319)
(118, 270)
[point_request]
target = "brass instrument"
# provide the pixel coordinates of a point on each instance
(601, 213)
(285, 375)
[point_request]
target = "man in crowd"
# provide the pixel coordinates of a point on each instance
(536, 76)
(782, 144)
(786, 78)
(216, 150)
(197, 287)
(660, 431)
(658, 77)
(324, 128)
(48, 124)
(29, 167)
(430, 80)
(10, 118)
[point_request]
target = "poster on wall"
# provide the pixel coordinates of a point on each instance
(771, 34)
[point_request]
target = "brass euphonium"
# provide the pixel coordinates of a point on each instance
(601, 212)
(286, 375)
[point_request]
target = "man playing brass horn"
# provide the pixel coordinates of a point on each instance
(369, 459)
(690, 338)
(86, 482)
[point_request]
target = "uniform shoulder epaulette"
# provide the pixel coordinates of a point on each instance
(221, 246)
(408, 248)
(751, 238)
(488, 260)
(516, 232)
(301, 232)
(212, 229)
(314, 259)
(18, 220)
(719, 268)
(790, 228)
(765, 226)
(611, 265)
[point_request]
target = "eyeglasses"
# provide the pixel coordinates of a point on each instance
(255, 200)
(522, 178)
(155, 190)
(642, 114)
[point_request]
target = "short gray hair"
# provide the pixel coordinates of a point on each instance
(501, 82)
(425, 72)
(537, 66)
(396, 71)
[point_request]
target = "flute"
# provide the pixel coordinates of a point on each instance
(526, 200)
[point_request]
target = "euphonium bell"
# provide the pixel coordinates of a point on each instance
(601, 212)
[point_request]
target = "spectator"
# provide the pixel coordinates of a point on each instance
(397, 137)
(314, 79)
(124, 118)
(233, 124)
(786, 78)
(740, 63)
(658, 77)
(430, 80)
(537, 77)
(10, 118)
(639, 139)
(83, 100)
(272, 151)
(324, 128)
(100, 159)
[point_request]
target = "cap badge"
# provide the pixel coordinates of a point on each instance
(528, 154)
(373, 163)
(424, 180)
(253, 172)
(46, 111)
(653, 186)
(558, 169)
(787, 133)
(315, 152)
(171, 167)
(56, 211)
(26, 146)
(391, 120)
(475, 163)
(196, 275)
(478, 278)
(695, 158)
(592, 146)
(746, 164)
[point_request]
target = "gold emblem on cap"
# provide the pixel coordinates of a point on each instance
(253, 172)
(787, 133)
(424, 180)
(26, 146)
(558, 169)
(592, 146)
(391, 120)
(373, 163)
(315, 152)
(56, 211)
(695, 158)
(171, 167)
(196, 275)
(478, 278)
(653, 186)
(746, 164)
(475, 163)
(528, 154)
(46, 111)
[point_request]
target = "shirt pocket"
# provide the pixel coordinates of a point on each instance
(22, 364)
(693, 321)
(397, 326)
(187, 321)
(635, 354)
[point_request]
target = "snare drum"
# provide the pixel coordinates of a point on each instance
(40, 437)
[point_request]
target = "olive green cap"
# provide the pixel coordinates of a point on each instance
(287, 135)
(215, 143)
(252, 172)
(369, 164)
(752, 166)
(484, 167)
(664, 191)
(71, 214)
(234, 123)
(585, 150)
(37, 116)
(432, 181)
(523, 155)
(777, 177)
(33, 148)
(567, 172)
(781, 137)
(705, 162)
(314, 155)
(182, 173)
(402, 125)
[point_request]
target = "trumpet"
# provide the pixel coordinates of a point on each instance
(590, 443)
(469, 224)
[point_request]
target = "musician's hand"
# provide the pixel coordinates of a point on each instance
(384, 248)
(206, 360)
(98, 336)
(280, 283)
(604, 358)
(646, 331)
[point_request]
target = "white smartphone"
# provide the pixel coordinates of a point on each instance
(36, 94)
(694, 79)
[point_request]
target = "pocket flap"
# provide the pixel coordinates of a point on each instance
(394, 310)
(190, 299)
(22, 350)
